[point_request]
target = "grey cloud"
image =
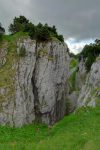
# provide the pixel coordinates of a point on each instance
(78, 19)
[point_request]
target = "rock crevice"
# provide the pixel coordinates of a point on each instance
(39, 84)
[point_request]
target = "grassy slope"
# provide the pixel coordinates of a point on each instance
(80, 131)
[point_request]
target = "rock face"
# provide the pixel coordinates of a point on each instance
(39, 82)
(3, 54)
(81, 75)
(76, 79)
(90, 92)
(38, 87)
(86, 91)
(17, 106)
(49, 82)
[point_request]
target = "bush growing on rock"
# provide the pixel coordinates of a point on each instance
(22, 51)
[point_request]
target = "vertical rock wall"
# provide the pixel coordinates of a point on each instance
(38, 84)
(90, 91)
(49, 82)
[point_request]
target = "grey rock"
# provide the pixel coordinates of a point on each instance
(40, 85)
(3, 53)
(49, 83)
(72, 101)
(90, 92)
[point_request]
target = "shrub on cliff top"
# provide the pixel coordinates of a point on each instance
(39, 32)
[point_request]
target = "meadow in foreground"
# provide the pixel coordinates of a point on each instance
(78, 131)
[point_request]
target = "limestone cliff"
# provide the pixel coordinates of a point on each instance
(90, 91)
(33, 82)
(84, 87)
(40, 82)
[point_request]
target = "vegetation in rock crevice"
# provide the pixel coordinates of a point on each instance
(22, 51)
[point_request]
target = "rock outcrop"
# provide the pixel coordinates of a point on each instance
(39, 82)
(76, 79)
(84, 87)
(90, 92)
(37, 88)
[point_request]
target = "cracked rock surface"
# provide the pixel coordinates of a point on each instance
(90, 92)
(39, 85)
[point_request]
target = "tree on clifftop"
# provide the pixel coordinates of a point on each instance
(19, 24)
(90, 53)
(38, 32)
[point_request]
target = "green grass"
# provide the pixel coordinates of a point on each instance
(10, 38)
(72, 81)
(98, 58)
(79, 131)
(73, 63)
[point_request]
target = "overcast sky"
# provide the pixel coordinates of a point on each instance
(77, 20)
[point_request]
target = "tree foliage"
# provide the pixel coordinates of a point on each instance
(2, 31)
(19, 24)
(89, 54)
(39, 32)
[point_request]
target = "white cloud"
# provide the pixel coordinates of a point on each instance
(77, 46)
